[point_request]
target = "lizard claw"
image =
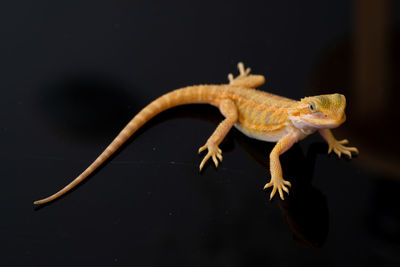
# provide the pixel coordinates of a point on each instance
(242, 72)
(278, 185)
(214, 152)
(339, 148)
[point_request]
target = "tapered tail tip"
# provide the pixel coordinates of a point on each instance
(40, 202)
(36, 202)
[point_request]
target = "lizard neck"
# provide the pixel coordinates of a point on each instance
(304, 127)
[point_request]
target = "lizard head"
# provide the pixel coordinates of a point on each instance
(319, 112)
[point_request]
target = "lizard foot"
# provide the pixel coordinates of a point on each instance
(339, 148)
(278, 185)
(214, 152)
(242, 73)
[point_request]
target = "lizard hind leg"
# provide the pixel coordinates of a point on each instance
(229, 110)
(245, 79)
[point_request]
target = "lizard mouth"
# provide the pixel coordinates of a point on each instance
(343, 119)
(321, 122)
(333, 123)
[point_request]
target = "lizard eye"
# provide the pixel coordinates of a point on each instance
(313, 107)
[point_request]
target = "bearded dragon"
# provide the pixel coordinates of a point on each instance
(255, 113)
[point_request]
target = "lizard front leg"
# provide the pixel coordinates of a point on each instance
(337, 146)
(277, 181)
(229, 110)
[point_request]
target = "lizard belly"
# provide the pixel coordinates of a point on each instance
(269, 136)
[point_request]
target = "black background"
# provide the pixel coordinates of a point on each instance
(73, 73)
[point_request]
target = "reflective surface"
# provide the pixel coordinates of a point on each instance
(75, 73)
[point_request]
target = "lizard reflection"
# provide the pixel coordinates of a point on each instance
(305, 210)
(311, 229)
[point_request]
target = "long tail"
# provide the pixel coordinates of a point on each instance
(187, 95)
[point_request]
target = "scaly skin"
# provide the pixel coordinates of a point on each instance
(257, 114)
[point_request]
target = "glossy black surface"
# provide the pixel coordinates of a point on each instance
(74, 73)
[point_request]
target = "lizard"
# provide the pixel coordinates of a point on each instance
(255, 113)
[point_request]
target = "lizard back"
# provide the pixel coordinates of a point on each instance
(262, 115)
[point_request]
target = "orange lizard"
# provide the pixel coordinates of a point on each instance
(257, 114)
